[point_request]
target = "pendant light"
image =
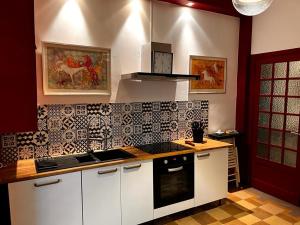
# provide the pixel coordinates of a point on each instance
(251, 7)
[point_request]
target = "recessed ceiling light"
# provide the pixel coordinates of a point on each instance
(190, 4)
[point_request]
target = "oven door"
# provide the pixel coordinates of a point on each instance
(173, 184)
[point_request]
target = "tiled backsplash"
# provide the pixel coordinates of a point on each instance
(68, 129)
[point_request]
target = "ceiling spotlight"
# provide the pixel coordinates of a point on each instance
(190, 4)
(251, 7)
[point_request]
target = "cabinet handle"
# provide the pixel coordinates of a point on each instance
(132, 167)
(48, 183)
(175, 169)
(107, 171)
(203, 155)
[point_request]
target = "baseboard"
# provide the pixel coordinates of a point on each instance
(174, 208)
(292, 197)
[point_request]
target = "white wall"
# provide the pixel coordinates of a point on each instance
(124, 26)
(195, 32)
(277, 28)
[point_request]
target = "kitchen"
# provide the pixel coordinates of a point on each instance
(137, 112)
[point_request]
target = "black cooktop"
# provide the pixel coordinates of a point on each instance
(162, 147)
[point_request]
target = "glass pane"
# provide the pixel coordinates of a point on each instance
(295, 69)
(280, 70)
(265, 87)
(262, 151)
(264, 103)
(266, 71)
(264, 119)
(279, 87)
(290, 158)
(277, 121)
(275, 154)
(293, 105)
(292, 123)
(294, 88)
(276, 138)
(278, 105)
(291, 141)
(263, 135)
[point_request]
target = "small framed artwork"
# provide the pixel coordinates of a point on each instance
(213, 74)
(162, 62)
(75, 70)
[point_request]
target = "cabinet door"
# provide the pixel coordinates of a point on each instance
(53, 200)
(137, 192)
(101, 196)
(211, 176)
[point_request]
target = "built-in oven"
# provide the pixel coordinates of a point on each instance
(173, 179)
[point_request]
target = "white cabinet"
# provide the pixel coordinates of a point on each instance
(101, 196)
(137, 192)
(211, 169)
(47, 201)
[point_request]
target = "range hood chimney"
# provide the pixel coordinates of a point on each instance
(147, 62)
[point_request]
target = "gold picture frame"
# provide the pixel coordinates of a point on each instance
(76, 70)
(213, 72)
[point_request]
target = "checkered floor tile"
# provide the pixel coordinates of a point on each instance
(245, 207)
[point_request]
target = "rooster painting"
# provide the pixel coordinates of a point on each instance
(75, 69)
(212, 72)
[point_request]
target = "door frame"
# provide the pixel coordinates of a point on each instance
(260, 168)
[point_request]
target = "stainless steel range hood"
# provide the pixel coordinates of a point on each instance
(146, 73)
(144, 76)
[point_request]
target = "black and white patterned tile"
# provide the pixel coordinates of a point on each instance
(137, 107)
(105, 109)
(41, 151)
(127, 108)
(82, 134)
(54, 123)
(25, 139)
(69, 148)
(68, 123)
(54, 110)
(55, 137)
(93, 109)
(25, 152)
(117, 141)
(8, 141)
(55, 149)
(81, 146)
(66, 129)
(42, 125)
(67, 111)
(80, 110)
(147, 107)
(42, 112)
(137, 118)
(81, 122)
(40, 138)
(8, 155)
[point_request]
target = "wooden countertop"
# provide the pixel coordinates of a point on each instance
(25, 169)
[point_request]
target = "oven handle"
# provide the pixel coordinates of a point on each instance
(171, 170)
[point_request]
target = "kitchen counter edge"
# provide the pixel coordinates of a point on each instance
(25, 169)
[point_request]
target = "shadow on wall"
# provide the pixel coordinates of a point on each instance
(144, 91)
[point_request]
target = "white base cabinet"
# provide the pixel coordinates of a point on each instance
(137, 192)
(54, 200)
(211, 169)
(101, 196)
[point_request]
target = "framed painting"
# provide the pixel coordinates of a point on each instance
(75, 70)
(213, 74)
